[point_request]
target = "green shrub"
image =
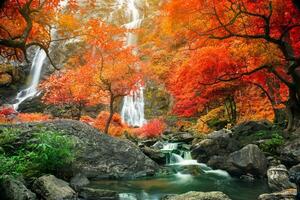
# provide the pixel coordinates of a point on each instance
(271, 145)
(45, 152)
(8, 137)
(51, 151)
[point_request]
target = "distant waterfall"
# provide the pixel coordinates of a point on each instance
(133, 105)
(34, 78)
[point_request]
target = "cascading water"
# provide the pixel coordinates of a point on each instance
(182, 158)
(35, 74)
(133, 105)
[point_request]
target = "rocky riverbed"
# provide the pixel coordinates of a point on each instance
(245, 152)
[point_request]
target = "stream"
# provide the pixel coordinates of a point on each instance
(188, 175)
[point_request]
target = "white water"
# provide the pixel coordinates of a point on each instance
(133, 105)
(34, 79)
(184, 158)
(168, 147)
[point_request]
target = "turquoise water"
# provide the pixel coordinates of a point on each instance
(156, 187)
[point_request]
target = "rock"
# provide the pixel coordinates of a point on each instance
(250, 127)
(278, 178)
(249, 159)
(248, 178)
(289, 194)
(295, 169)
(5, 79)
(154, 154)
(198, 196)
(13, 189)
(148, 142)
(205, 149)
(99, 155)
(174, 137)
(158, 145)
(217, 162)
(79, 181)
(290, 152)
(98, 194)
(221, 134)
(32, 105)
(51, 188)
(217, 144)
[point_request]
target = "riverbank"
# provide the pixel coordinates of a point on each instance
(251, 159)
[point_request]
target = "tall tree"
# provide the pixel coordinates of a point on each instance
(260, 37)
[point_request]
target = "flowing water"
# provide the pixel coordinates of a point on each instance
(34, 79)
(189, 175)
(133, 105)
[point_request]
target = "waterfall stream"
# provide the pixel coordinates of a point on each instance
(185, 175)
(133, 105)
(34, 79)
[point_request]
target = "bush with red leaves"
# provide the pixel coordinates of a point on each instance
(154, 128)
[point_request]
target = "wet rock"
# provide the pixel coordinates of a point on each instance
(288, 194)
(249, 159)
(198, 196)
(99, 155)
(97, 194)
(154, 154)
(51, 188)
(278, 178)
(13, 189)
(248, 178)
(79, 181)
(158, 145)
(32, 105)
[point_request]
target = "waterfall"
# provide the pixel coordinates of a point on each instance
(133, 105)
(180, 159)
(169, 147)
(34, 79)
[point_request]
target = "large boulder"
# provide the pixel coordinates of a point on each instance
(154, 154)
(278, 178)
(198, 196)
(99, 155)
(79, 181)
(98, 194)
(295, 169)
(51, 188)
(289, 194)
(13, 189)
(218, 143)
(249, 159)
(290, 152)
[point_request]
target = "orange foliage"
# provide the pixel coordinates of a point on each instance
(255, 107)
(117, 128)
(213, 49)
(32, 117)
(153, 128)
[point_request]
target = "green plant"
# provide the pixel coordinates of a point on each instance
(8, 137)
(45, 152)
(51, 151)
(12, 165)
(271, 145)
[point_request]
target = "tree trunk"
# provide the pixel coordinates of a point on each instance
(293, 111)
(111, 114)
